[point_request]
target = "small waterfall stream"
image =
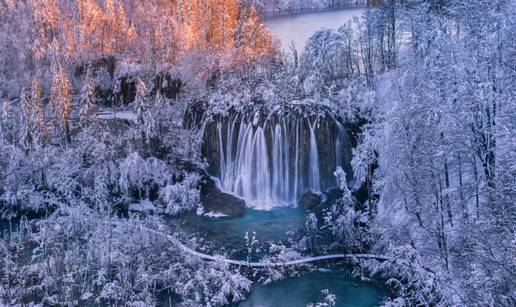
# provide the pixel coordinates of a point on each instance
(272, 160)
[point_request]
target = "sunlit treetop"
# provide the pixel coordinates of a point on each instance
(141, 30)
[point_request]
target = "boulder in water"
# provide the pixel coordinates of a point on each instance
(214, 200)
(310, 200)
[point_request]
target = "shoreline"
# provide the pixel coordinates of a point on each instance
(281, 14)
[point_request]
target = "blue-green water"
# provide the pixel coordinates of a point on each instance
(275, 225)
(280, 224)
(307, 289)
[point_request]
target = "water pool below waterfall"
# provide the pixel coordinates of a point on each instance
(280, 224)
(228, 234)
(306, 289)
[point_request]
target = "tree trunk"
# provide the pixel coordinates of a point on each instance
(446, 195)
(461, 190)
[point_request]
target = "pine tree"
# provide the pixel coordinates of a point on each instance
(8, 123)
(160, 104)
(26, 121)
(40, 132)
(87, 99)
(144, 111)
(90, 27)
(140, 101)
(195, 28)
(256, 40)
(117, 33)
(60, 94)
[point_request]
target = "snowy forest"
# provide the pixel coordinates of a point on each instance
(172, 153)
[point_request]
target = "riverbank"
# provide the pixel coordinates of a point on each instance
(271, 16)
(277, 8)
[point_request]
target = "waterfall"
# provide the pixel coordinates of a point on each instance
(339, 144)
(274, 160)
(314, 161)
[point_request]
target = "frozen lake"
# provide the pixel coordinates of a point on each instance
(299, 28)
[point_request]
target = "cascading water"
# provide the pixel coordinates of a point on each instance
(272, 160)
(314, 161)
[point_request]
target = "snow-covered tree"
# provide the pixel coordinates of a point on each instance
(27, 124)
(141, 102)
(311, 225)
(182, 196)
(60, 94)
(9, 129)
(88, 106)
(40, 129)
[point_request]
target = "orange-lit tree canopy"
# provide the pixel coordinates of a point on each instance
(144, 30)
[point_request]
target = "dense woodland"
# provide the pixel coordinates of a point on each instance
(430, 83)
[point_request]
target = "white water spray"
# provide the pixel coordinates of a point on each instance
(274, 161)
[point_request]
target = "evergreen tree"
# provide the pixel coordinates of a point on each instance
(60, 94)
(160, 105)
(87, 99)
(141, 100)
(144, 114)
(8, 123)
(40, 129)
(26, 120)
(256, 40)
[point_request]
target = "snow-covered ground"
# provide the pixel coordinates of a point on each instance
(111, 114)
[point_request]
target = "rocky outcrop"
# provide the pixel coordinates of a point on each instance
(125, 87)
(168, 86)
(116, 82)
(215, 201)
(103, 71)
(310, 200)
(125, 91)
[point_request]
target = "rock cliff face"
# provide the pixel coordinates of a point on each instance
(272, 156)
(117, 86)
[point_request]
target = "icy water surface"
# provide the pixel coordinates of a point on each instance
(279, 224)
(228, 234)
(298, 28)
(307, 289)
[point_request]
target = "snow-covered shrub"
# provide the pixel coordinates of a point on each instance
(364, 156)
(343, 220)
(280, 253)
(214, 285)
(412, 282)
(181, 196)
(152, 179)
(141, 178)
(133, 173)
(85, 257)
(330, 300)
(311, 226)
